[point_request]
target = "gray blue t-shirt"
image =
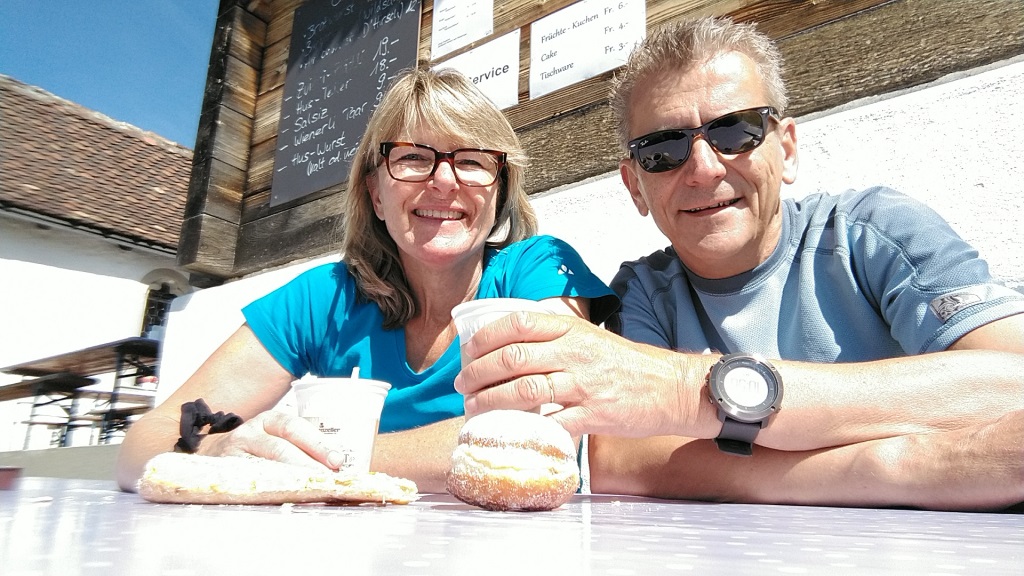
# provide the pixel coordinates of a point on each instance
(857, 276)
(317, 324)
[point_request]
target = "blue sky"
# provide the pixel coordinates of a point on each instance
(138, 61)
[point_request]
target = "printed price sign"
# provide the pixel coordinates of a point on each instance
(582, 41)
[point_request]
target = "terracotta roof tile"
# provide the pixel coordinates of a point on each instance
(66, 162)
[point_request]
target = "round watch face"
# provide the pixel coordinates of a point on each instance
(746, 388)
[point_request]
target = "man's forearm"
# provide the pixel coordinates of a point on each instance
(674, 467)
(837, 404)
(975, 468)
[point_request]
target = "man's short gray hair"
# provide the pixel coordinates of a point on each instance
(681, 45)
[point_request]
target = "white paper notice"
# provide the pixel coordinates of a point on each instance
(458, 23)
(582, 41)
(493, 67)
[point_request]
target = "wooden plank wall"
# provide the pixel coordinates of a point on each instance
(835, 50)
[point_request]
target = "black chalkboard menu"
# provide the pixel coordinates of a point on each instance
(342, 57)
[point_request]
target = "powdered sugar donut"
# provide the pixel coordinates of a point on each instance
(514, 460)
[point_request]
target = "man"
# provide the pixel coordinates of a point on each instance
(867, 351)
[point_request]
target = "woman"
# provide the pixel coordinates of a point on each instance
(436, 215)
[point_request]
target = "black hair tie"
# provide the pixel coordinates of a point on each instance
(195, 416)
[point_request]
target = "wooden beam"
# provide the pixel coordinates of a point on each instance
(895, 46)
(220, 160)
(215, 188)
(307, 230)
(208, 246)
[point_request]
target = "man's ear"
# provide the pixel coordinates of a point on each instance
(790, 157)
(630, 179)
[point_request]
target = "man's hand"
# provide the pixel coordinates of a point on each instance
(604, 383)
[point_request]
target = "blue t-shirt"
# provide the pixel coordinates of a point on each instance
(858, 276)
(317, 324)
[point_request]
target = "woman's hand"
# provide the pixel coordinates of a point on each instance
(275, 436)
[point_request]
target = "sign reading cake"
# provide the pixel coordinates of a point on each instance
(582, 41)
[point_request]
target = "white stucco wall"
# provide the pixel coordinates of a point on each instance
(63, 290)
(952, 144)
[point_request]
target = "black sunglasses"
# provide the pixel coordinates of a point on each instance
(732, 133)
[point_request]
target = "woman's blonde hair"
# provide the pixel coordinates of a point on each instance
(447, 103)
(681, 45)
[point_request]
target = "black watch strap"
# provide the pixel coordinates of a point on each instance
(738, 437)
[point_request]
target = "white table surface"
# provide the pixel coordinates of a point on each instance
(71, 527)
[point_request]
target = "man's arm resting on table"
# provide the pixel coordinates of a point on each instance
(611, 385)
(975, 468)
(979, 378)
(836, 404)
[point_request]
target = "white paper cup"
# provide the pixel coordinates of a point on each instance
(347, 411)
(475, 314)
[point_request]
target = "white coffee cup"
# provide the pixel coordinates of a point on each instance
(475, 314)
(347, 410)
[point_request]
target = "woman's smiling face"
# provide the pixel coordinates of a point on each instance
(438, 220)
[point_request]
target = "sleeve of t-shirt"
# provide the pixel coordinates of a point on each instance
(290, 320)
(930, 286)
(637, 317)
(547, 267)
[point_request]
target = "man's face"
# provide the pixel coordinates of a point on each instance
(720, 211)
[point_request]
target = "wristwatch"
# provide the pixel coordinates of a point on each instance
(747, 391)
